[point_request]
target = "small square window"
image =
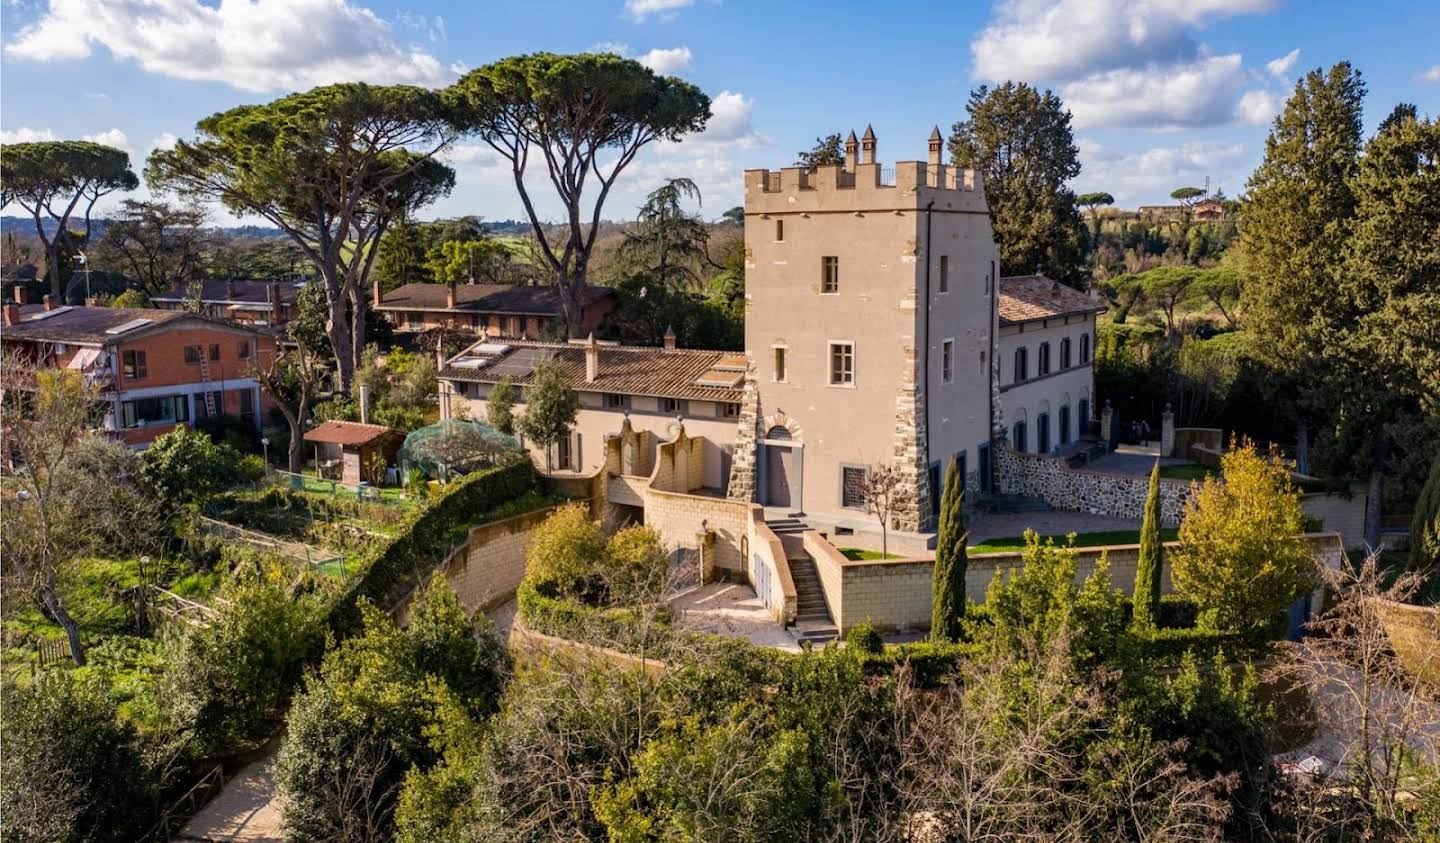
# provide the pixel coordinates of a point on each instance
(134, 363)
(830, 274)
(214, 352)
(780, 365)
(842, 364)
(192, 355)
(730, 409)
(779, 230)
(616, 401)
(242, 350)
(674, 405)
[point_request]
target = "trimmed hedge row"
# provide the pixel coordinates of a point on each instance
(609, 627)
(404, 560)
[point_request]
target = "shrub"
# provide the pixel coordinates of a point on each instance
(186, 466)
(250, 468)
(634, 566)
(1241, 555)
(228, 681)
(863, 638)
(565, 554)
(70, 769)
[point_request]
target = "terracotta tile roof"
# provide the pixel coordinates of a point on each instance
(1024, 298)
(91, 325)
(626, 370)
(538, 300)
(347, 433)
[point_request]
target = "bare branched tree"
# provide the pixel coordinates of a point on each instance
(292, 378)
(885, 494)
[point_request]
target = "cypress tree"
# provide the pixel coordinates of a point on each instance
(1425, 528)
(1146, 598)
(948, 605)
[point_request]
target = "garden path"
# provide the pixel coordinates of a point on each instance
(246, 810)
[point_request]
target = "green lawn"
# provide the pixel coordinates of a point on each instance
(1097, 539)
(1189, 471)
(855, 554)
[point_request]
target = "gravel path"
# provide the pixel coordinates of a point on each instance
(247, 809)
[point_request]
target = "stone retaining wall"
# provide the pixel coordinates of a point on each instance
(769, 571)
(1085, 490)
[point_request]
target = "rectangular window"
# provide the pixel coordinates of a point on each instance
(192, 355)
(779, 230)
(947, 361)
(852, 486)
(135, 368)
(944, 273)
(616, 401)
(242, 350)
(730, 409)
(779, 365)
(842, 364)
(674, 405)
(1044, 358)
(214, 352)
(167, 409)
(202, 411)
(247, 405)
(830, 274)
(563, 455)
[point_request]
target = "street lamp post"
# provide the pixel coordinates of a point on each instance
(86, 261)
(265, 445)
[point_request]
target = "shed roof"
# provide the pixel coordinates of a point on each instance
(104, 325)
(347, 433)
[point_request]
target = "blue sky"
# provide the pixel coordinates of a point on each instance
(1164, 92)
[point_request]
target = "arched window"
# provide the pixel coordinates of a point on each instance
(1044, 364)
(1065, 353)
(1084, 349)
(778, 432)
(1017, 436)
(1022, 365)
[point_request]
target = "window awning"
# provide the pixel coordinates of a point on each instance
(84, 359)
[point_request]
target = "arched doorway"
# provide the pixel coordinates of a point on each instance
(783, 467)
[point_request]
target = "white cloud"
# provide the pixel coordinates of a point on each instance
(666, 9)
(1431, 75)
(731, 125)
(1148, 176)
(110, 137)
(25, 134)
(253, 45)
(164, 140)
(1200, 93)
(667, 62)
(1258, 108)
(619, 48)
(1068, 39)
(1280, 68)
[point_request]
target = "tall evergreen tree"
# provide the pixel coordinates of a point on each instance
(1020, 141)
(1293, 228)
(1425, 526)
(401, 256)
(948, 582)
(1147, 569)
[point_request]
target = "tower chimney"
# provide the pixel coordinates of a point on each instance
(12, 313)
(375, 296)
(935, 145)
(669, 339)
(592, 359)
(852, 152)
(867, 146)
(20, 294)
(49, 302)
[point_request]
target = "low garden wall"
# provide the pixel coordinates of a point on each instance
(487, 569)
(1205, 437)
(769, 571)
(1052, 479)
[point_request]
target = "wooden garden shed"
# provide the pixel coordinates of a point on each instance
(343, 448)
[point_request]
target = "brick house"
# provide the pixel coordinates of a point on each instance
(259, 303)
(499, 311)
(155, 368)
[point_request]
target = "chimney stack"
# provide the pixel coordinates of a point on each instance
(277, 310)
(20, 294)
(12, 313)
(867, 146)
(935, 147)
(669, 339)
(852, 152)
(592, 359)
(450, 295)
(49, 302)
(375, 296)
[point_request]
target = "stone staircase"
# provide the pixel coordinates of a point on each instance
(788, 524)
(813, 623)
(1012, 504)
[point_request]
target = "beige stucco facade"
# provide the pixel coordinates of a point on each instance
(1054, 405)
(911, 262)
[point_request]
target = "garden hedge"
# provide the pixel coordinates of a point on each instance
(401, 562)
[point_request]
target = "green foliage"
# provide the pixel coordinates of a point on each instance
(1241, 555)
(474, 261)
(1425, 525)
(951, 561)
(185, 466)
(228, 682)
(1020, 140)
(634, 565)
(712, 318)
(1149, 566)
(563, 557)
(401, 256)
(70, 768)
(863, 638)
(132, 297)
(827, 151)
(500, 405)
(550, 407)
(384, 702)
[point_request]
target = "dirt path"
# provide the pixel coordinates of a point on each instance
(247, 808)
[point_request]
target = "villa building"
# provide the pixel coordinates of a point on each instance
(877, 332)
(155, 369)
(256, 303)
(496, 311)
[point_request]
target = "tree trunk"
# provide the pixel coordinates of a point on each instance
(1374, 493)
(338, 327)
(57, 285)
(358, 306)
(51, 600)
(1302, 448)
